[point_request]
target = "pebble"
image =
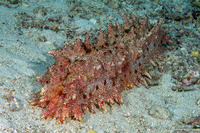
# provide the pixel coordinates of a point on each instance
(159, 112)
(91, 131)
(14, 103)
(94, 21)
(198, 102)
(25, 5)
(14, 106)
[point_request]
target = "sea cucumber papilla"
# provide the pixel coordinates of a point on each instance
(92, 73)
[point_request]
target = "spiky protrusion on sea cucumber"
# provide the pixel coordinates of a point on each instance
(86, 74)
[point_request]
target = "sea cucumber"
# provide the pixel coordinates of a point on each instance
(92, 73)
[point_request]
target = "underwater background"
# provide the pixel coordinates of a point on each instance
(31, 28)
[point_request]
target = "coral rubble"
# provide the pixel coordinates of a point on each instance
(86, 74)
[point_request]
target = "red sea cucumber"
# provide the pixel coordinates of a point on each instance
(86, 74)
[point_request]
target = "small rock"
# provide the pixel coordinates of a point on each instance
(128, 114)
(187, 82)
(14, 104)
(94, 21)
(159, 112)
(25, 5)
(42, 39)
(82, 25)
(198, 102)
(91, 131)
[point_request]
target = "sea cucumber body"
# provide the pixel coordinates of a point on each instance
(85, 74)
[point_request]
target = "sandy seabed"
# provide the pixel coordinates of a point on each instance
(29, 29)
